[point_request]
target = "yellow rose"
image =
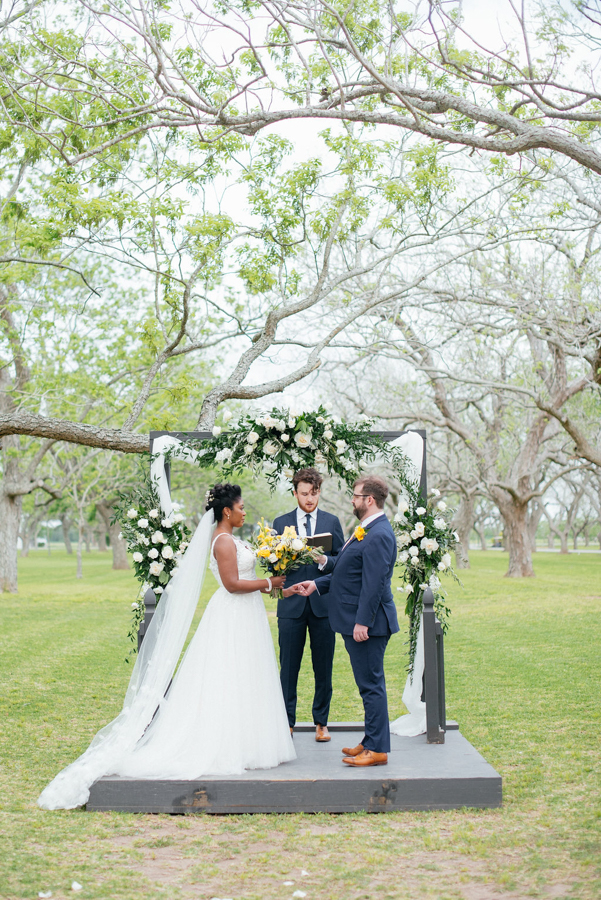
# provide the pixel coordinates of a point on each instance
(360, 532)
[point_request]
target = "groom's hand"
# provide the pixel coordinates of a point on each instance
(305, 588)
(360, 633)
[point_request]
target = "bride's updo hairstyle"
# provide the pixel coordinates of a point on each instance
(221, 496)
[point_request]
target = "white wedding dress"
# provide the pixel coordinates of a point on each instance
(224, 712)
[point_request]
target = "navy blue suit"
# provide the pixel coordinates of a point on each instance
(297, 615)
(359, 593)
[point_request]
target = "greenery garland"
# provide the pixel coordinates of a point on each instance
(275, 444)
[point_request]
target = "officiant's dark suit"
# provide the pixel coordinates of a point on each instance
(358, 593)
(298, 615)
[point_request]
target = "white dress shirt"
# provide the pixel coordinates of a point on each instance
(301, 518)
(371, 519)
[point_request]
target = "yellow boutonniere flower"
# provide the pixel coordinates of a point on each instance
(360, 532)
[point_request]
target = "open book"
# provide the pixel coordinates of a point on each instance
(321, 540)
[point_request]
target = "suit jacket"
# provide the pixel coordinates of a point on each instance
(292, 607)
(359, 584)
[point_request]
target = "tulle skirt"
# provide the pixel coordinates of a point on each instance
(224, 711)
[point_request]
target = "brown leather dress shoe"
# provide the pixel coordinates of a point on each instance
(352, 751)
(322, 735)
(366, 758)
(292, 731)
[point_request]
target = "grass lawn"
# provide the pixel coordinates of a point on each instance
(522, 680)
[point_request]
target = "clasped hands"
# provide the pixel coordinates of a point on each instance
(305, 588)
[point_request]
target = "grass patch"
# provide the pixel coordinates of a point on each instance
(522, 680)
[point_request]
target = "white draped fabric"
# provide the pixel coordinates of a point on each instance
(155, 663)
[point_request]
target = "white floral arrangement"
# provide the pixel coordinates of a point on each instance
(425, 540)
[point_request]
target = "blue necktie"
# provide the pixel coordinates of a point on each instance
(308, 525)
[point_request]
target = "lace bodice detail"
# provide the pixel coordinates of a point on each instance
(244, 554)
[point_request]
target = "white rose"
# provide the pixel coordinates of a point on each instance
(137, 557)
(156, 568)
(398, 517)
(420, 510)
(408, 588)
(259, 420)
(423, 586)
(153, 514)
(429, 545)
(152, 554)
(341, 445)
(223, 455)
(403, 507)
(145, 541)
(302, 440)
(415, 561)
(435, 493)
(439, 523)
(434, 583)
(166, 523)
(248, 449)
(441, 566)
(404, 538)
(227, 415)
(270, 448)
(135, 605)
(291, 421)
(273, 558)
(420, 528)
(446, 559)
(285, 438)
(252, 438)
(184, 544)
(269, 466)
(288, 472)
(328, 435)
(132, 513)
(297, 544)
(403, 557)
(167, 552)
(441, 505)
(158, 590)
(178, 518)
(142, 523)
(216, 430)
(158, 538)
(413, 551)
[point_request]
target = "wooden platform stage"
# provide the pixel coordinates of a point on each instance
(418, 776)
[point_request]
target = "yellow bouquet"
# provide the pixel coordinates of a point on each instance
(283, 553)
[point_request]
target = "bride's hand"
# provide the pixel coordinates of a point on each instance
(278, 581)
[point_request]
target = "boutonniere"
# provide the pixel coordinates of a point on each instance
(359, 533)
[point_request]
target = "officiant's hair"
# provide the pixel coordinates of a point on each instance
(221, 496)
(309, 476)
(376, 487)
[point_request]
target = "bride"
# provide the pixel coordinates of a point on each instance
(224, 711)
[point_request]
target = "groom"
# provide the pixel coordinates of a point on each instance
(361, 608)
(297, 614)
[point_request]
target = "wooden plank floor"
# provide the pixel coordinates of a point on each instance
(418, 776)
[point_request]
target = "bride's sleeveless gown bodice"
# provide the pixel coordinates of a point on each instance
(224, 711)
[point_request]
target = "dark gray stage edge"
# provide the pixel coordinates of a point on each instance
(418, 776)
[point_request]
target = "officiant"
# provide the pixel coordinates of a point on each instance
(298, 615)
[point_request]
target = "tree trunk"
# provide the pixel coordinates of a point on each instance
(10, 517)
(66, 524)
(25, 542)
(80, 537)
(120, 560)
(534, 517)
(101, 536)
(480, 531)
(86, 534)
(463, 522)
(515, 519)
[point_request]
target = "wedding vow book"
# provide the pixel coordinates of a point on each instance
(321, 540)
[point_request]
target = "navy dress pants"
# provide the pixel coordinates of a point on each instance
(367, 661)
(292, 638)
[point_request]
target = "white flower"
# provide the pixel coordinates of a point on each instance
(153, 514)
(420, 529)
(273, 558)
(137, 557)
(249, 449)
(446, 559)
(413, 551)
(259, 420)
(439, 523)
(341, 447)
(404, 538)
(398, 517)
(270, 448)
(285, 438)
(145, 541)
(320, 419)
(435, 493)
(227, 415)
(216, 430)
(423, 587)
(152, 554)
(287, 472)
(166, 523)
(142, 523)
(420, 510)
(291, 421)
(269, 466)
(408, 588)
(184, 544)
(403, 507)
(167, 552)
(156, 568)
(441, 505)
(320, 458)
(297, 544)
(434, 583)
(441, 566)
(178, 518)
(135, 605)
(252, 437)
(328, 435)
(158, 589)
(403, 557)
(132, 513)
(223, 455)
(302, 440)
(158, 538)
(429, 545)
(415, 560)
